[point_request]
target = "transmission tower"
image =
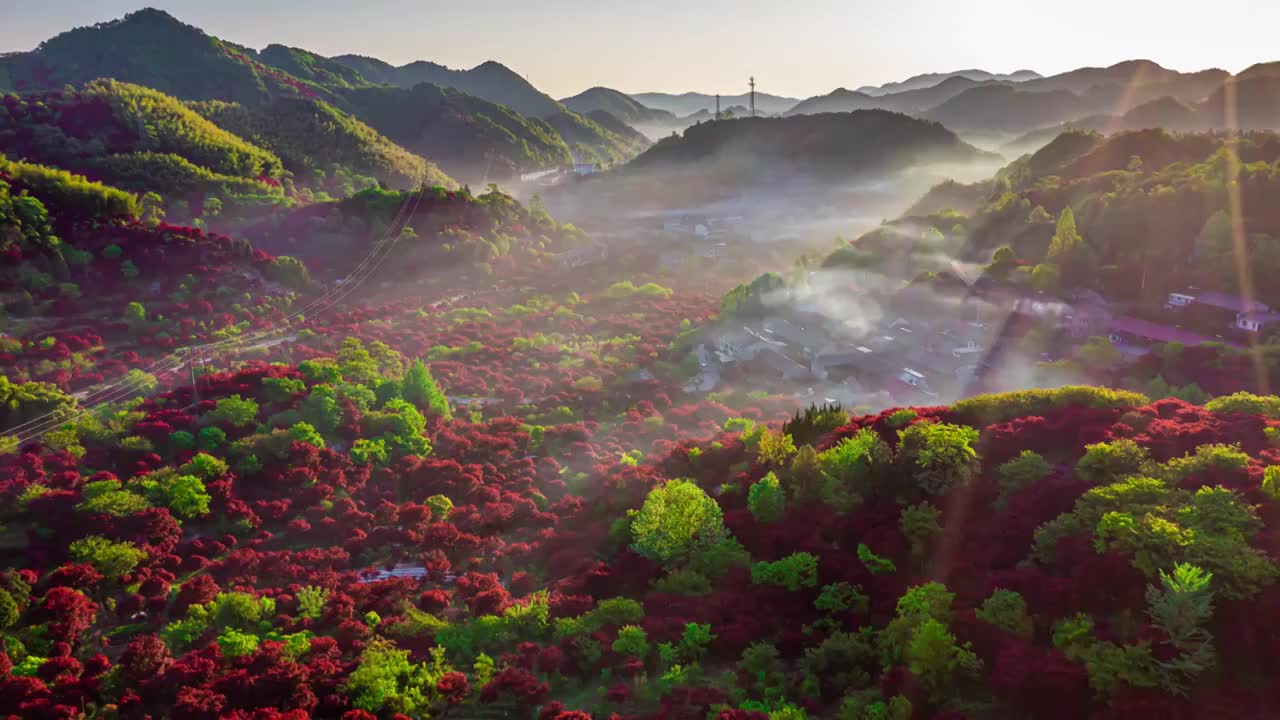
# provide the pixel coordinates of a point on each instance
(753, 96)
(717, 106)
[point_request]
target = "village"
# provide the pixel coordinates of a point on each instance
(864, 346)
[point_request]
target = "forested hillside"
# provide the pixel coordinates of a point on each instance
(492, 112)
(314, 140)
(136, 138)
(822, 146)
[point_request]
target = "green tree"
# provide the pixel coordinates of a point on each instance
(235, 411)
(109, 557)
(1182, 608)
(311, 601)
(421, 390)
(135, 315)
(875, 564)
(305, 432)
(632, 642)
(1008, 611)
(940, 455)
(775, 448)
(1046, 277)
(919, 524)
(1111, 461)
(1066, 238)
(9, 610)
(235, 644)
(1023, 471)
(320, 410)
(676, 521)
(936, 659)
(793, 572)
(766, 500)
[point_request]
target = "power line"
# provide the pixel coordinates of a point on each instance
(37, 427)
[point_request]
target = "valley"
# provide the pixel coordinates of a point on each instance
(338, 387)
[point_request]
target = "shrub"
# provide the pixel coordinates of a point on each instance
(1111, 461)
(793, 572)
(632, 642)
(1006, 610)
(1245, 403)
(110, 558)
(983, 410)
(766, 500)
(940, 455)
(1023, 471)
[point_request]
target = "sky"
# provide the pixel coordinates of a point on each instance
(796, 48)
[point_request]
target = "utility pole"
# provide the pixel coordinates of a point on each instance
(753, 96)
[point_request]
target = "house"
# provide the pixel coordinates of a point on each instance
(1256, 321)
(738, 345)
(1088, 315)
(770, 358)
(792, 334)
(1139, 333)
(1248, 315)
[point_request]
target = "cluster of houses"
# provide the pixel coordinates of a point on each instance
(939, 350)
(916, 359)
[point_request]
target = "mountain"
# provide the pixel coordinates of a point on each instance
(611, 123)
(829, 146)
(1006, 108)
(467, 136)
(912, 102)
(150, 48)
(618, 105)
(1255, 105)
(1140, 80)
(490, 81)
(309, 66)
(838, 100)
(692, 102)
(135, 138)
(314, 138)
(499, 85)
(928, 80)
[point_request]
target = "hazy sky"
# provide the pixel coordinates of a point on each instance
(793, 47)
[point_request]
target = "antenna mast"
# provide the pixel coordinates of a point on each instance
(753, 96)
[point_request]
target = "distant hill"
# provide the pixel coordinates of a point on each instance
(692, 102)
(1256, 106)
(607, 121)
(838, 100)
(309, 66)
(928, 80)
(912, 102)
(618, 105)
(151, 48)
(311, 137)
(467, 136)
(490, 81)
(1142, 79)
(828, 146)
(1001, 107)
